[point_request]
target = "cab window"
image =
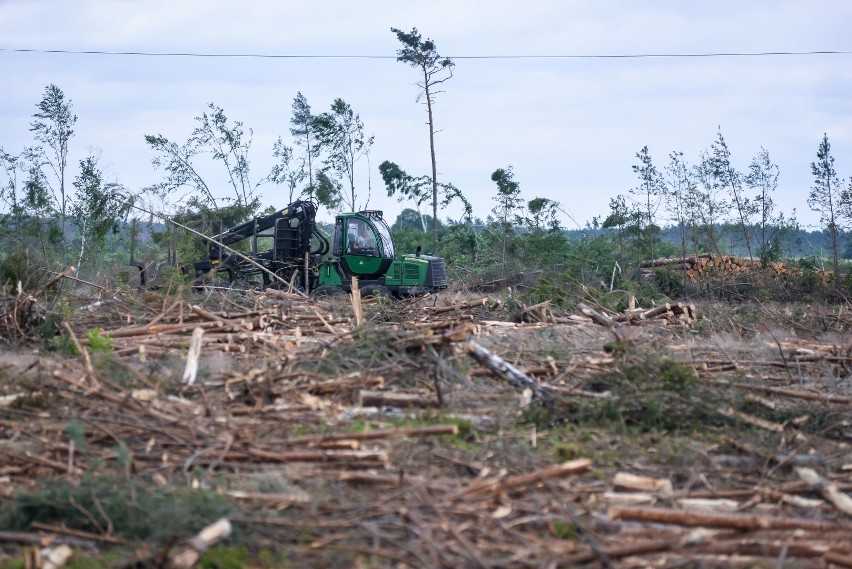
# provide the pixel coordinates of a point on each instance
(360, 238)
(337, 246)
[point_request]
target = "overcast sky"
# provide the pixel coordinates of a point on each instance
(570, 127)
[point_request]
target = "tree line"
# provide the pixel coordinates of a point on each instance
(710, 204)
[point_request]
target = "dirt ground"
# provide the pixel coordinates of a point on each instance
(440, 432)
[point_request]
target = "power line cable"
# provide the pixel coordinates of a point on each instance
(516, 56)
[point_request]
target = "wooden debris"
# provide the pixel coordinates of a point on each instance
(715, 520)
(752, 420)
(643, 483)
(712, 267)
(596, 317)
(828, 489)
(356, 302)
(56, 557)
(206, 538)
(191, 369)
(485, 488)
(506, 370)
(378, 398)
(282, 423)
(669, 313)
(21, 314)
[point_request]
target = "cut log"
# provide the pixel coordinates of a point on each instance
(714, 520)
(828, 489)
(378, 398)
(482, 488)
(506, 370)
(192, 356)
(597, 317)
(356, 303)
(643, 483)
(207, 538)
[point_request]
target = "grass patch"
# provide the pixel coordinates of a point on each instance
(644, 391)
(136, 511)
(98, 342)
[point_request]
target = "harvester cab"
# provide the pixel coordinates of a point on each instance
(363, 247)
(363, 243)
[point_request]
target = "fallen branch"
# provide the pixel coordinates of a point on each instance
(506, 370)
(597, 317)
(377, 398)
(206, 538)
(482, 489)
(828, 489)
(709, 519)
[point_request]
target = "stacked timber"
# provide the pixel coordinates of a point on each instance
(709, 267)
(675, 313)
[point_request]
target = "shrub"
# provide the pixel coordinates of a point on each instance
(138, 511)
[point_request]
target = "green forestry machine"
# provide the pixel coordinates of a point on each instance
(361, 247)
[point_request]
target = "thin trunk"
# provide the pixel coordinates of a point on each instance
(62, 197)
(743, 222)
(133, 236)
(650, 235)
(41, 235)
(434, 166)
(310, 167)
(765, 216)
(834, 245)
(82, 246)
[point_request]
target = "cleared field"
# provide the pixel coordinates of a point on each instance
(446, 431)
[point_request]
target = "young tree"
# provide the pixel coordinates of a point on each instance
(340, 133)
(825, 198)
(543, 215)
(328, 191)
(762, 177)
(423, 55)
(619, 218)
(184, 183)
(729, 180)
(284, 173)
(53, 127)
(706, 206)
(508, 200)
(449, 194)
(405, 187)
(680, 185)
(182, 176)
(11, 213)
(649, 193)
(229, 145)
(302, 131)
(97, 207)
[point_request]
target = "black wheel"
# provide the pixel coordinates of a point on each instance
(327, 291)
(378, 291)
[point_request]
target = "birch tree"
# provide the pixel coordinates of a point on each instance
(53, 127)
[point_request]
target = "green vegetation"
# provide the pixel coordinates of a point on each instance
(136, 510)
(54, 214)
(98, 342)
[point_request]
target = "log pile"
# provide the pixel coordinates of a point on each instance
(266, 327)
(674, 313)
(711, 267)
